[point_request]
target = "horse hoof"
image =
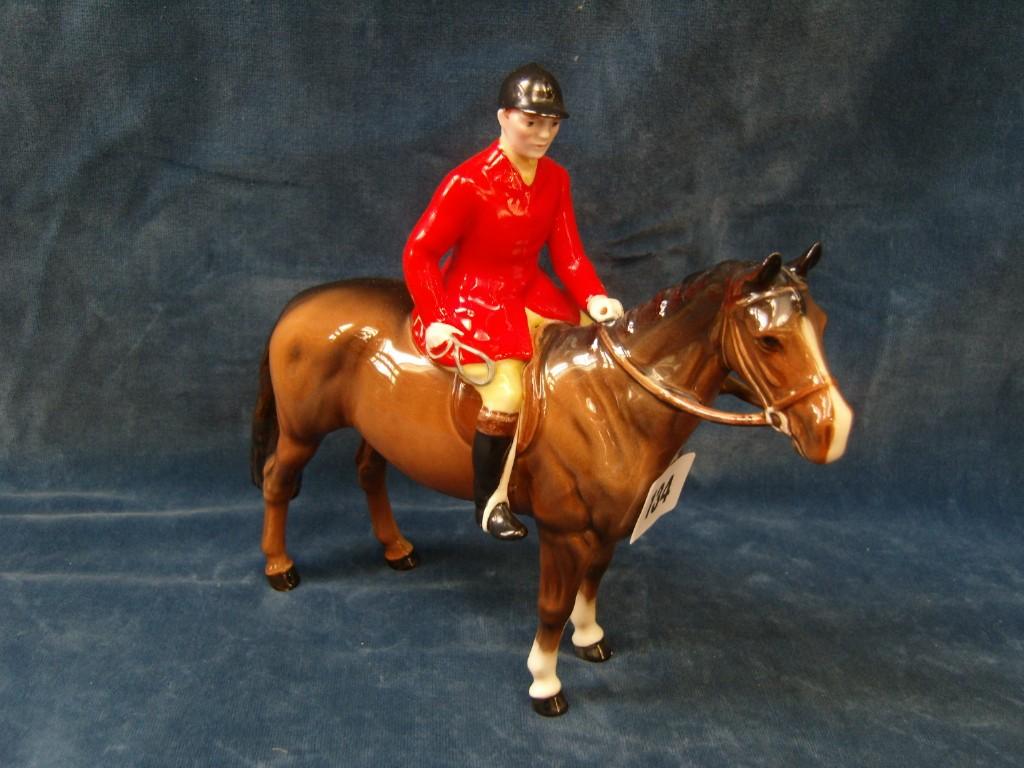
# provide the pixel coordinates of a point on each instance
(599, 651)
(552, 706)
(284, 582)
(406, 563)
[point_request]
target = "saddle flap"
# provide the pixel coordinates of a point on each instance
(465, 405)
(465, 400)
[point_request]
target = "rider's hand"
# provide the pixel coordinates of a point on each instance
(439, 334)
(603, 309)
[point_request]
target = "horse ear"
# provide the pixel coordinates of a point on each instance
(806, 263)
(766, 273)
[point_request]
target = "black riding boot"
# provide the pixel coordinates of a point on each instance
(489, 454)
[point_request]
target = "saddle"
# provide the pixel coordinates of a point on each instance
(465, 405)
(465, 402)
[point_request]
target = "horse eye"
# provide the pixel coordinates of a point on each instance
(769, 343)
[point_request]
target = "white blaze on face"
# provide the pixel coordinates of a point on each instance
(584, 622)
(542, 666)
(842, 416)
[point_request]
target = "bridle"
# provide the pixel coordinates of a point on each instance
(773, 411)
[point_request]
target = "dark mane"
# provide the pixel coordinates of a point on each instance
(710, 282)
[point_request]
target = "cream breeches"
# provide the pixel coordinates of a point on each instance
(504, 393)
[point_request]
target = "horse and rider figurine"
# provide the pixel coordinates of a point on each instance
(481, 378)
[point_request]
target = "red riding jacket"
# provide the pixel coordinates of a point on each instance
(496, 225)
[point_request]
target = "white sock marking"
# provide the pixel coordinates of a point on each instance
(584, 622)
(542, 666)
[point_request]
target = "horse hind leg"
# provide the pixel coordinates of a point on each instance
(282, 473)
(588, 638)
(371, 468)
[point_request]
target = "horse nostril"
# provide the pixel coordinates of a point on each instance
(822, 451)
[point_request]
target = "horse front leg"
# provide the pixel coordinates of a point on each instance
(588, 640)
(371, 467)
(564, 559)
(281, 474)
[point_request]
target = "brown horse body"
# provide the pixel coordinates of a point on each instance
(592, 437)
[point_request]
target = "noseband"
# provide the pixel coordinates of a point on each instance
(774, 410)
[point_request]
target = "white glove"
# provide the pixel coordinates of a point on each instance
(603, 309)
(439, 334)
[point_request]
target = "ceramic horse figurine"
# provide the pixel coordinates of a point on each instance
(341, 355)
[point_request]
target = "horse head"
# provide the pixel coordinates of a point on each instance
(771, 333)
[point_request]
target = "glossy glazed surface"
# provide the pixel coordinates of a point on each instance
(495, 225)
(342, 355)
(533, 89)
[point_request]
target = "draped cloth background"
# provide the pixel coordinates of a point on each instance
(170, 174)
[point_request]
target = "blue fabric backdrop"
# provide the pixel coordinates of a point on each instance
(171, 173)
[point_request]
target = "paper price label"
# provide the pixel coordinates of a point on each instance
(664, 494)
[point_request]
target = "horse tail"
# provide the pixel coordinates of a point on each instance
(264, 423)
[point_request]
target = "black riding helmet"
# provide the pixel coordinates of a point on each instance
(532, 89)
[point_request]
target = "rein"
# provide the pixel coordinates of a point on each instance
(772, 415)
(686, 404)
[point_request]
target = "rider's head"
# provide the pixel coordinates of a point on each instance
(531, 107)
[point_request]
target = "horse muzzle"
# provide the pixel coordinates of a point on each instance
(819, 425)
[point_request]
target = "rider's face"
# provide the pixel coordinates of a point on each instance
(527, 134)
